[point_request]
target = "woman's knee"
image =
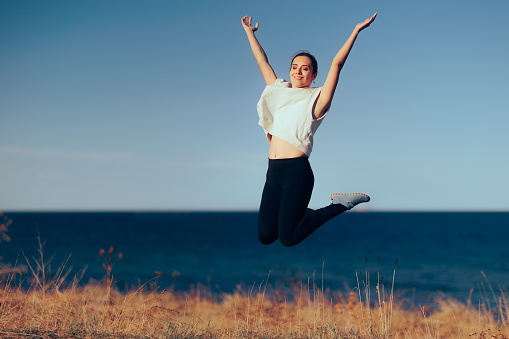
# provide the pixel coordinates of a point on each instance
(266, 239)
(287, 241)
(267, 227)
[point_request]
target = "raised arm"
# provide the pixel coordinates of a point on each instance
(261, 57)
(327, 93)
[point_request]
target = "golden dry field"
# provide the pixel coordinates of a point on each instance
(47, 310)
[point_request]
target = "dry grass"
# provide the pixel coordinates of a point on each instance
(102, 312)
(45, 305)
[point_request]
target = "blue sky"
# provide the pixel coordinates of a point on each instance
(151, 105)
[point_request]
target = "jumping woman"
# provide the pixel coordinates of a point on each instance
(290, 113)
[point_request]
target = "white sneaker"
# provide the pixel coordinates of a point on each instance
(349, 200)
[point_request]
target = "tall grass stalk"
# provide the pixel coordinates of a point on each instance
(41, 271)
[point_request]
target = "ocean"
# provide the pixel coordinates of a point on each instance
(430, 254)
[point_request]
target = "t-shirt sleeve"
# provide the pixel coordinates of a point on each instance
(282, 83)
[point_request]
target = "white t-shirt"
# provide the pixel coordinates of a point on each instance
(287, 113)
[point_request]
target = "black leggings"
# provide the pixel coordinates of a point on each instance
(283, 210)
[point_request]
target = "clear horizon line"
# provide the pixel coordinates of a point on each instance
(239, 210)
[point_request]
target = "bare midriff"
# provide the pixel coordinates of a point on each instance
(280, 149)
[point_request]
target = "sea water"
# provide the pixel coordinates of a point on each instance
(428, 253)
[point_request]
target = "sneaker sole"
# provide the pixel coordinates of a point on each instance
(341, 194)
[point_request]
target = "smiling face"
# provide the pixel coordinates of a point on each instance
(301, 72)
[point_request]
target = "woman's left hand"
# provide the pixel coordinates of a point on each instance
(365, 23)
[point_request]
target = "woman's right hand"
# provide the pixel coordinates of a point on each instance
(261, 58)
(246, 23)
